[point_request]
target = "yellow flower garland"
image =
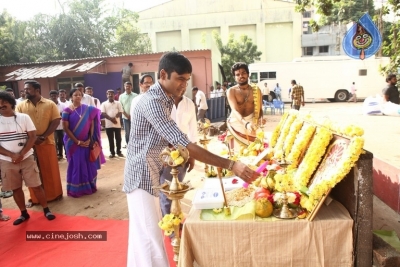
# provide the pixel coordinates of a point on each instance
(278, 149)
(313, 156)
(290, 139)
(169, 221)
(277, 130)
(300, 145)
(284, 182)
(347, 161)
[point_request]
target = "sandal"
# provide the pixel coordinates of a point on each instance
(30, 204)
(4, 217)
(7, 194)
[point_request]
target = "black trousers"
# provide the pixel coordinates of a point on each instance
(111, 132)
(58, 136)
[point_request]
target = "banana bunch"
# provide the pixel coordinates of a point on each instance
(176, 157)
(265, 182)
(211, 172)
(253, 149)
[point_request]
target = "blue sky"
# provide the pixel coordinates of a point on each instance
(26, 9)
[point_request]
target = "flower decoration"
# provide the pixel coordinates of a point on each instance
(278, 149)
(293, 131)
(169, 221)
(300, 144)
(277, 130)
(313, 156)
(284, 181)
(343, 167)
(293, 198)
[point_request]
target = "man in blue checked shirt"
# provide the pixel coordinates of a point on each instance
(152, 130)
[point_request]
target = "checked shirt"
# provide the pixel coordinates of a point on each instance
(152, 129)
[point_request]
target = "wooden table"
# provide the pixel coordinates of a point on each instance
(326, 241)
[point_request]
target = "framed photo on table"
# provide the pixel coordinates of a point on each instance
(327, 169)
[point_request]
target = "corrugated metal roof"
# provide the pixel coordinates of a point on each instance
(94, 58)
(35, 72)
(88, 66)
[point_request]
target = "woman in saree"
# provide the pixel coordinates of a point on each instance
(81, 124)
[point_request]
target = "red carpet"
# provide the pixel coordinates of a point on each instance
(16, 251)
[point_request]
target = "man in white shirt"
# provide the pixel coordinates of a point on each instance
(22, 96)
(201, 103)
(184, 114)
(111, 111)
(144, 83)
(126, 73)
(89, 91)
(265, 92)
(213, 92)
(86, 99)
(62, 97)
(59, 132)
(278, 92)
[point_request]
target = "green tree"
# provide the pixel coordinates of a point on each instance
(85, 28)
(242, 50)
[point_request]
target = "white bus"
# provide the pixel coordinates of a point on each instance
(323, 77)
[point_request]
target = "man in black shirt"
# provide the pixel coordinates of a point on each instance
(390, 92)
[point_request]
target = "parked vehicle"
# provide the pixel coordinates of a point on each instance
(323, 77)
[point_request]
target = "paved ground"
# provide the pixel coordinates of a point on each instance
(381, 133)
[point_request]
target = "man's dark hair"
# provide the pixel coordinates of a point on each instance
(110, 91)
(238, 66)
(130, 64)
(174, 62)
(34, 84)
(293, 81)
(62, 90)
(53, 92)
(390, 76)
(8, 98)
(141, 81)
(128, 83)
(79, 85)
(118, 89)
(89, 87)
(195, 89)
(9, 90)
(73, 91)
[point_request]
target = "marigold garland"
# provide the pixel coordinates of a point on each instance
(284, 181)
(313, 156)
(277, 130)
(290, 139)
(346, 162)
(300, 145)
(278, 149)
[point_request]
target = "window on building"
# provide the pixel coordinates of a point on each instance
(307, 14)
(308, 51)
(362, 72)
(324, 49)
(254, 77)
(267, 75)
(307, 30)
(68, 83)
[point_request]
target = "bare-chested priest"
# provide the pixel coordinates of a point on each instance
(246, 104)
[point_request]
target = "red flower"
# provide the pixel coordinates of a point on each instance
(235, 181)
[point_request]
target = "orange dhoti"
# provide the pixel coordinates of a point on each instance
(49, 172)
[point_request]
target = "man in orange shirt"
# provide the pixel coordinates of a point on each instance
(46, 117)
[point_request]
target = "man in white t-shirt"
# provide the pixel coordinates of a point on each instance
(144, 83)
(62, 97)
(17, 137)
(59, 132)
(111, 111)
(201, 103)
(184, 114)
(89, 91)
(86, 99)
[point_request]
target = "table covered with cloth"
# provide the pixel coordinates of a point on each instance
(326, 241)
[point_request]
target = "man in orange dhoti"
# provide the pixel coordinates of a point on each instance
(246, 104)
(46, 118)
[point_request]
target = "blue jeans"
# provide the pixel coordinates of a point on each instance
(278, 96)
(127, 127)
(165, 203)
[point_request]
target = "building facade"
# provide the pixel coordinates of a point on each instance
(273, 25)
(102, 73)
